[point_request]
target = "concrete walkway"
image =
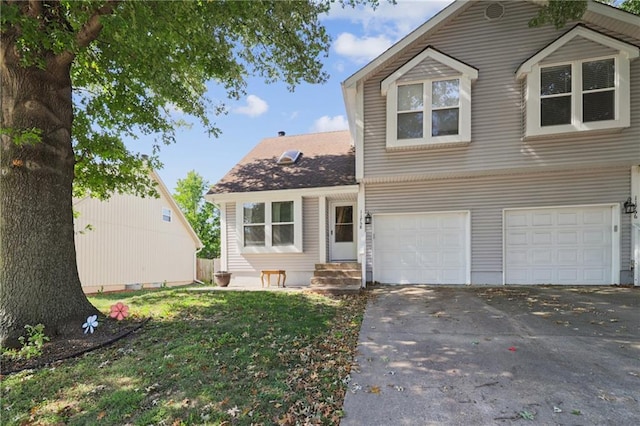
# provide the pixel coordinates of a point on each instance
(484, 356)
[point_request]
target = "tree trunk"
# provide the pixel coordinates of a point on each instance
(39, 280)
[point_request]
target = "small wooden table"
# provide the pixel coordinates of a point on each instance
(268, 272)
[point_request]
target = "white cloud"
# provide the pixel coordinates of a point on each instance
(330, 124)
(361, 49)
(255, 107)
(400, 18)
(380, 28)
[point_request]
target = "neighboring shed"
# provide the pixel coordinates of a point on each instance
(134, 240)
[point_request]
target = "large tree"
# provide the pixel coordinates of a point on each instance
(202, 216)
(77, 78)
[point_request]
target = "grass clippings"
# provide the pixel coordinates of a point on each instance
(217, 358)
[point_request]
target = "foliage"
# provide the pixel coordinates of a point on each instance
(31, 346)
(559, 12)
(204, 358)
(632, 6)
(203, 217)
(134, 63)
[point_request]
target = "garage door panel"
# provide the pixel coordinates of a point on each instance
(568, 237)
(541, 238)
(568, 219)
(567, 245)
(541, 257)
(421, 248)
(518, 238)
(567, 256)
(541, 219)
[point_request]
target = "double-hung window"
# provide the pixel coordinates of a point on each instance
(270, 226)
(430, 107)
(583, 94)
(438, 100)
(578, 93)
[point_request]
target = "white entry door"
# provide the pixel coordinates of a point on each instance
(343, 231)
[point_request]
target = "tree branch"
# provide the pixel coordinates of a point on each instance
(89, 31)
(35, 8)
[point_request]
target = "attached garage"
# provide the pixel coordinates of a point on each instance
(422, 248)
(562, 245)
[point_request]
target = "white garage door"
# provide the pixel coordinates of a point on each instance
(569, 245)
(424, 248)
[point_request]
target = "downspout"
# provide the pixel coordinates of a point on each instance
(195, 266)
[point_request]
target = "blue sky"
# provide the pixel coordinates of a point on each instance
(359, 35)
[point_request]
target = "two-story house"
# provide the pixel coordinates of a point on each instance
(486, 152)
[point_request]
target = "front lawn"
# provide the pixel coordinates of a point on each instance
(204, 358)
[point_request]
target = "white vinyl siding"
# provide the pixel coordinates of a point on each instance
(251, 263)
(561, 245)
(487, 196)
(496, 49)
(421, 248)
(130, 243)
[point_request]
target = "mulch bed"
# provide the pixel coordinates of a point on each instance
(67, 346)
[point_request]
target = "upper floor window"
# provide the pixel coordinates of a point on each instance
(270, 226)
(429, 101)
(582, 94)
(166, 215)
(595, 95)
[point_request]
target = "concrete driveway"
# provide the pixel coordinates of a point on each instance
(497, 355)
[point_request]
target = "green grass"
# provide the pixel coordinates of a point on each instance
(204, 358)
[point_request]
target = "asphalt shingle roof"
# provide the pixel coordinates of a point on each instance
(327, 159)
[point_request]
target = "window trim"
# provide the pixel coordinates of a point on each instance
(621, 99)
(296, 247)
(169, 215)
(530, 69)
(389, 88)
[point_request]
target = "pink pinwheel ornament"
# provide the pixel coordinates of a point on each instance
(119, 311)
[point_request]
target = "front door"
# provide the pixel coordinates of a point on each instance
(343, 232)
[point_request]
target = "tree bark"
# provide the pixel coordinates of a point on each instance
(39, 280)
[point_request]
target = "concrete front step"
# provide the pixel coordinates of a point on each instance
(338, 273)
(338, 266)
(337, 282)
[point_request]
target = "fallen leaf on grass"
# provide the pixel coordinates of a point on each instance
(101, 415)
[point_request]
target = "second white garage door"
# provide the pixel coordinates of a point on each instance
(566, 245)
(421, 248)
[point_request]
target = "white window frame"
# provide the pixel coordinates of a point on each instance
(389, 88)
(268, 247)
(621, 99)
(166, 213)
(530, 70)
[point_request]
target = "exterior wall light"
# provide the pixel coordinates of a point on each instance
(367, 219)
(630, 207)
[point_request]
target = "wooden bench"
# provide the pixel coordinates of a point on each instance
(268, 272)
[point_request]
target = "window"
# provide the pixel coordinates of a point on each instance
(595, 95)
(434, 110)
(166, 215)
(254, 224)
(282, 226)
(584, 94)
(270, 226)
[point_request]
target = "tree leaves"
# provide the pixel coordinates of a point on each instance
(202, 216)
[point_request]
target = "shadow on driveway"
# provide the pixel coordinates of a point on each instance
(497, 355)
